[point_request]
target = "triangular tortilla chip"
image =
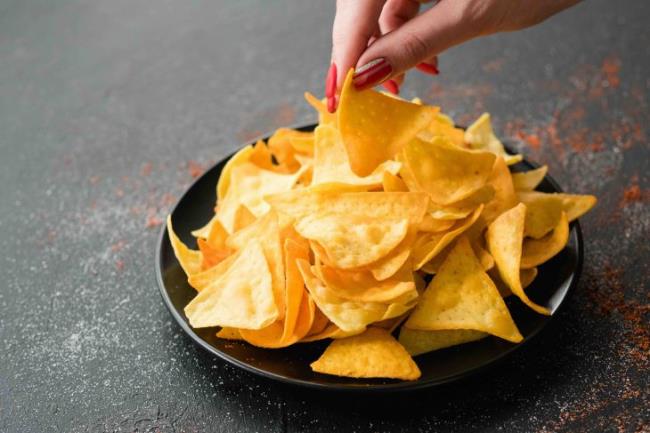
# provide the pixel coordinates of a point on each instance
(480, 135)
(331, 164)
(543, 213)
(392, 183)
(207, 277)
(504, 240)
(238, 158)
(462, 296)
(190, 260)
(418, 342)
(446, 172)
(241, 298)
(363, 117)
(504, 192)
(537, 251)
(324, 116)
(576, 205)
(229, 334)
(387, 266)
(431, 244)
(529, 180)
(352, 241)
(375, 353)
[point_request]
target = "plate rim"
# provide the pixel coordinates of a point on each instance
(370, 387)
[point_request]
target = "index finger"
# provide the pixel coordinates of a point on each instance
(355, 23)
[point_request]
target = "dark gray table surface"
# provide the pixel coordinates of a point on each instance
(109, 108)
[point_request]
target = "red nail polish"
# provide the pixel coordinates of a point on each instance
(331, 104)
(391, 86)
(330, 81)
(371, 74)
(427, 68)
(330, 88)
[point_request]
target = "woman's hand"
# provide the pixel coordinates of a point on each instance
(382, 39)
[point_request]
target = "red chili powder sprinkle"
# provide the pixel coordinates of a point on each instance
(195, 169)
(117, 246)
(153, 221)
(611, 68)
(146, 169)
(119, 265)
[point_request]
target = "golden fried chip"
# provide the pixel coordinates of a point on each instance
(241, 298)
(261, 156)
(238, 158)
(324, 116)
(480, 135)
(392, 183)
(387, 266)
(190, 260)
(229, 334)
(462, 296)
(446, 172)
(576, 205)
(431, 244)
(361, 286)
(331, 163)
(464, 207)
(527, 276)
(537, 251)
(352, 241)
(528, 180)
(363, 117)
(431, 224)
(418, 342)
(302, 203)
(243, 218)
(543, 213)
(504, 240)
(205, 278)
(375, 353)
(204, 231)
(504, 192)
(249, 185)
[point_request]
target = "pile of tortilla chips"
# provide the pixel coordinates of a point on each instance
(385, 215)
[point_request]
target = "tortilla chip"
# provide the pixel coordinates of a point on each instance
(527, 276)
(504, 240)
(393, 183)
(480, 135)
(324, 116)
(537, 251)
(362, 119)
(462, 296)
(529, 180)
(353, 241)
(431, 244)
(190, 260)
(375, 353)
(387, 266)
(543, 213)
(446, 172)
(241, 298)
(418, 342)
(331, 163)
(504, 192)
(238, 158)
(576, 205)
(229, 334)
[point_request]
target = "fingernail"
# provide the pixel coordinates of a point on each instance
(391, 86)
(371, 74)
(427, 68)
(330, 88)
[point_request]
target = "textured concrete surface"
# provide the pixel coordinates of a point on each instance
(108, 110)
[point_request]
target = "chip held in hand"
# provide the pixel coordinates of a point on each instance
(386, 220)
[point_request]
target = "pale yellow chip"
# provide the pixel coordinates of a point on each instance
(480, 135)
(302, 203)
(576, 205)
(238, 158)
(331, 164)
(204, 231)
(361, 286)
(464, 207)
(249, 185)
(375, 353)
(190, 260)
(431, 244)
(241, 298)
(207, 277)
(352, 241)
(418, 342)
(537, 251)
(543, 213)
(504, 192)
(527, 276)
(267, 232)
(351, 316)
(529, 180)
(462, 296)
(445, 172)
(375, 127)
(504, 240)
(387, 266)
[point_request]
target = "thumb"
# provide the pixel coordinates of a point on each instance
(419, 39)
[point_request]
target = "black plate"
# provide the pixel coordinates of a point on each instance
(556, 280)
